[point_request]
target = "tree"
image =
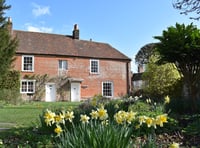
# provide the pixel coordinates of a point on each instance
(142, 57)
(7, 43)
(161, 80)
(188, 6)
(180, 45)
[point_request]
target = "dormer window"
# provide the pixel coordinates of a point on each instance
(27, 63)
(94, 66)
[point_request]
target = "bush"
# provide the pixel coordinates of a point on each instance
(10, 96)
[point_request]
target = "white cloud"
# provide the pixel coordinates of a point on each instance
(40, 10)
(32, 28)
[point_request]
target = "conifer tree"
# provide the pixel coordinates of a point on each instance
(8, 44)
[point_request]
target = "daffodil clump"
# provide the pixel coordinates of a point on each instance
(100, 114)
(153, 121)
(58, 120)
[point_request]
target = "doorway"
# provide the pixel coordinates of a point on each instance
(50, 92)
(75, 91)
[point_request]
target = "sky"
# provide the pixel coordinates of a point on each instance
(127, 25)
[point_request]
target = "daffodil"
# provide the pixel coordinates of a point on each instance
(167, 99)
(59, 118)
(118, 117)
(49, 117)
(58, 130)
(160, 119)
(174, 145)
(94, 114)
(102, 113)
(142, 119)
(149, 121)
(69, 116)
(84, 118)
(130, 116)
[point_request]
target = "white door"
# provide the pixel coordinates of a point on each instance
(50, 93)
(75, 92)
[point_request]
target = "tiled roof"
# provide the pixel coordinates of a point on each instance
(54, 44)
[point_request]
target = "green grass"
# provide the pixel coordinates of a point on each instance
(27, 114)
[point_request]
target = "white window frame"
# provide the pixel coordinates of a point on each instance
(91, 68)
(32, 64)
(62, 67)
(27, 86)
(111, 89)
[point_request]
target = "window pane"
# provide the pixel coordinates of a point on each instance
(65, 65)
(107, 89)
(62, 65)
(28, 62)
(94, 66)
(27, 86)
(30, 86)
(24, 86)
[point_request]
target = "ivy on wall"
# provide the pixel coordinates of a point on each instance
(41, 80)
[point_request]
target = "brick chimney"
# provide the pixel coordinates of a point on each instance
(9, 25)
(76, 32)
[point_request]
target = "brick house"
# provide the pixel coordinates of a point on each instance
(62, 67)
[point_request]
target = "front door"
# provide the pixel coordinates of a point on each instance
(50, 92)
(75, 91)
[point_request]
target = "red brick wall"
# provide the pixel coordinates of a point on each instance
(109, 70)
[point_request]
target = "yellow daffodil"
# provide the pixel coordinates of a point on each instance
(167, 99)
(69, 116)
(118, 118)
(174, 145)
(149, 121)
(58, 130)
(84, 118)
(94, 114)
(160, 119)
(59, 118)
(49, 117)
(102, 113)
(142, 119)
(130, 116)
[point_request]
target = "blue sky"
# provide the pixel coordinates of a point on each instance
(127, 25)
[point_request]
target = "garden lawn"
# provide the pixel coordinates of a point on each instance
(27, 114)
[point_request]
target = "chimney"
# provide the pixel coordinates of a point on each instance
(76, 32)
(140, 68)
(9, 25)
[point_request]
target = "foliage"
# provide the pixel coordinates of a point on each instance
(193, 127)
(7, 43)
(97, 125)
(9, 88)
(179, 44)
(25, 137)
(60, 81)
(160, 80)
(188, 6)
(143, 55)
(97, 136)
